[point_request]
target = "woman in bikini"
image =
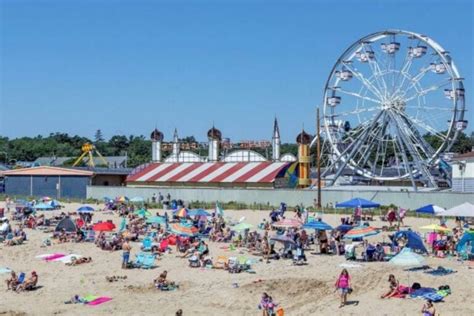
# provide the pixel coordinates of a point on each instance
(393, 287)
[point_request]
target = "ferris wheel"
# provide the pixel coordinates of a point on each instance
(385, 93)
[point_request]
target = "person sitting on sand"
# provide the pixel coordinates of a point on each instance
(12, 282)
(62, 236)
(161, 281)
(267, 305)
(393, 287)
(343, 285)
(29, 284)
(428, 309)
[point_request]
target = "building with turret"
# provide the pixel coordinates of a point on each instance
(241, 167)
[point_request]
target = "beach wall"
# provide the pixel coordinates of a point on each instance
(411, 200)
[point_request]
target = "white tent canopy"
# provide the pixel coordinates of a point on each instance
(463, 210)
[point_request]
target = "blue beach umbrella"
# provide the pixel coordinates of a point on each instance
(85, 209)
(198, 212)
(357, 202)
(318, 225)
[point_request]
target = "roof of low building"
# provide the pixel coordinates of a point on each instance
(212, 172)
(47, 171)
(465, 156)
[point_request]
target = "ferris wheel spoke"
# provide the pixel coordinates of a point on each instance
(357, 95)
(414, 81)
(425, 107)
(376, 71)
(428, 90)
(355, 112)
(424, 126)
(404, 71)
(364, 81)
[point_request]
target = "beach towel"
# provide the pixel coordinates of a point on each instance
(5, 270)
(54, 257)
(421, 292)
(89, 298)
(434, 297)
(100, 300)
(67, 259)
(440, 271)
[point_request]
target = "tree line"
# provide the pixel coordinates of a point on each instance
(137, 148)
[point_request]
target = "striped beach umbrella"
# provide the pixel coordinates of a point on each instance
(361, 232)
(183, 212)
(121, 199)
(184, 230)
(288, 223)
(435, 227)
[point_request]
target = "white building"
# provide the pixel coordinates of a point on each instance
(463, 173)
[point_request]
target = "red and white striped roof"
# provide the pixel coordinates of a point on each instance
(210, 172)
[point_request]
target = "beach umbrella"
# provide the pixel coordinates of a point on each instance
(43, 207)
(184, 230)
(121, 199)
(361, 232)
(137, 199)
(318, 225)
(242, 226)
(142, 212)
(463, 210)
(357, 202)
(85, 209)
(198, 212)
(435, 227)
(344, 228)
(407, 258)
(183, 212)
(103, 227)
(414, 240)
(46, 199)
(430, 209)
(283, 238)
(156, 220)
(288, 223)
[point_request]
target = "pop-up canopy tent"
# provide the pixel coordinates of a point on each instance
(463, 210)
(414, 241)
(357, 202)
(430, 209)
(467, 237)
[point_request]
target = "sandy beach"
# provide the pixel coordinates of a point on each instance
(301, 290)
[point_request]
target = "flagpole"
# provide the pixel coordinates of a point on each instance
(318, 157)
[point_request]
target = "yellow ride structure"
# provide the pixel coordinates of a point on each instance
(88, 150)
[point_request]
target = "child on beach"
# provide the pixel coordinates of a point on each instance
(428, 309)
(343, 285)
(267, 305)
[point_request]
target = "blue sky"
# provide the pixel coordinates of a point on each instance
(126, 66)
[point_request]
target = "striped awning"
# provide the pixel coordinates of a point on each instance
(212, 172)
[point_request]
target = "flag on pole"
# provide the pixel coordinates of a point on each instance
(219, 209)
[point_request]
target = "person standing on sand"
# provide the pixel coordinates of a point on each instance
(126, 253)
(343, 285)
(428, 309)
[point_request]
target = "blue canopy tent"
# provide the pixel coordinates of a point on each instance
(414, 240)
(198, 212)
(430, 209)
(357, 202)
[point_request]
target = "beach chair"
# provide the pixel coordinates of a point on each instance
(90, 236)
(146, 244)
(221, 262)
(234, 265)
(349, 252)
(139, 260)
(21, 278)
(194, 262)
(148, 261)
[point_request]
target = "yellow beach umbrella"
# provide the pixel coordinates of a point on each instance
(435, 227)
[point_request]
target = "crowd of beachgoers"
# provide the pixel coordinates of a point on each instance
(217, 239)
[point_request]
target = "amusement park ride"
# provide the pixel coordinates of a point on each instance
(382, 95)
(88, 150)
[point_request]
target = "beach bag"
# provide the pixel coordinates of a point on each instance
(349, 290)
(280, 312)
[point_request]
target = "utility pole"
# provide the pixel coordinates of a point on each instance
(318, 156)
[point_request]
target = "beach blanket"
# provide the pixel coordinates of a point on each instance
(5, 270)
(440, 271)
(422, 291)
(89, 298)
(418, 268)
(99, 300)
(50, 257)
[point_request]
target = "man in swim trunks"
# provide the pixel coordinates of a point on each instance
(126, 253)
